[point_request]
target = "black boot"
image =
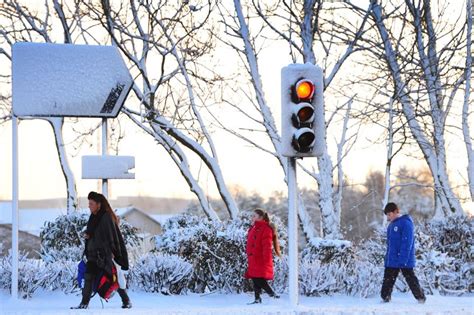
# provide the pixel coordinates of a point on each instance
(268, 289)
(86, 292)
(274, 295)
(125, 299)
(386, 299)
(80, 306)
(257, 301)
(257, 289)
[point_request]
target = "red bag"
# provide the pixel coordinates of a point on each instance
(107, 286)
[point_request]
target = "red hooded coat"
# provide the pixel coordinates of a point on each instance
(259, 251)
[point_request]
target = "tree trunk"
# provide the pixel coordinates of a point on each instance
(71, 201)
(434, 153)
(465, 110)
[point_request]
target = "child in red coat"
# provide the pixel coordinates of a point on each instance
(260, 239)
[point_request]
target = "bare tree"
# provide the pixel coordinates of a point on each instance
(467, 103)
(422, 75)
(165, 43)
(299, 32)
(22, 24)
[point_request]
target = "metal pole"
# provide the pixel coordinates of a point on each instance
(15, 214)
(105, 145)
(292, 233)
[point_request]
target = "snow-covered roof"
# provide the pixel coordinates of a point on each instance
(33, 219)
(158, 218)
(161, 218)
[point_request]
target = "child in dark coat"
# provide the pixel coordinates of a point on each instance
(400, 254)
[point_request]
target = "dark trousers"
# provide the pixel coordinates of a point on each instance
(92, 272)
(259, 284)
(390, 276)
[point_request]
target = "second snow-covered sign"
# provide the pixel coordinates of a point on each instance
(68, 80)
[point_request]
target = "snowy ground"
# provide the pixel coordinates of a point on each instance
(148, 303)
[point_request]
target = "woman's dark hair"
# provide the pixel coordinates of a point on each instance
(264, 215)
(390, 207)
(104, 204)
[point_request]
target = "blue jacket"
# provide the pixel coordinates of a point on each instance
(400, 243)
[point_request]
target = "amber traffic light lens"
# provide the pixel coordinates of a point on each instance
(304, 90)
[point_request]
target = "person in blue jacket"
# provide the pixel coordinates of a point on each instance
(400, 253)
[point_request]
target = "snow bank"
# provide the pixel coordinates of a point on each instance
(236, 304)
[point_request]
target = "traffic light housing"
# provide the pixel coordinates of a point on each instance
(302, 111)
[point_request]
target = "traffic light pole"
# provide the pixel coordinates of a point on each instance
(292, 233)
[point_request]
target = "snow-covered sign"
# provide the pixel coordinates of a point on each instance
(68, 80)
(107, 167)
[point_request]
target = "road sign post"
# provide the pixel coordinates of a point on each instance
(62, 80)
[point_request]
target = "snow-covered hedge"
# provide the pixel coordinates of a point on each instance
(161, 273)
(62, 239)
(197, 255)
(444, 255)
(445, 252)
(34, 274)
(216, 250)
(335, 266)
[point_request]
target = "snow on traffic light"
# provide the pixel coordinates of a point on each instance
(302, 108)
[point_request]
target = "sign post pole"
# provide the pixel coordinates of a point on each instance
(105, 145)
(15, 214)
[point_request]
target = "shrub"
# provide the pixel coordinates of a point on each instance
(161, 273)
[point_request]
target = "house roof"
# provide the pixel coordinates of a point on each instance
(157, 218)
(32, 220)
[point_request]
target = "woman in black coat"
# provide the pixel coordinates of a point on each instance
(104, 243)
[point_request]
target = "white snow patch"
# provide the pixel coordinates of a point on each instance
(320, 242)
(151, 303)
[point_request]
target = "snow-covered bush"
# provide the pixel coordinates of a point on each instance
(62, 275)
(216, 250)
(444, 255)
(445, 252)
(62, 238)
(31, 275)
(34, 274)
(161, 273)
(337, 266)
(324, 266)
(280, 268)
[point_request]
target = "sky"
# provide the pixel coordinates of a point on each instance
(156, 175)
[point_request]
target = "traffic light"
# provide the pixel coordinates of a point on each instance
(302, 110)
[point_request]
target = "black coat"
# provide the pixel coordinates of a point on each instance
(105, 241)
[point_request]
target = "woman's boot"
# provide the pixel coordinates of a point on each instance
(257, 290)
(125, 299)
(86, 292)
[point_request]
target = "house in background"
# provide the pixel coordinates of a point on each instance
(28, 243)
(141, 220)
(32, 220)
